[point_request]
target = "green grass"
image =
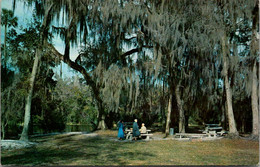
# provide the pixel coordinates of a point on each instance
(99, 150)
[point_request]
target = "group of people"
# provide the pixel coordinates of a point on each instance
(136, 131)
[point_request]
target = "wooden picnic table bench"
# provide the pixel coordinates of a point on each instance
(200, 135)
(147, 135)
(212, 132)
(215, 133)
(212, 129)
(213, 125)
(129, 134)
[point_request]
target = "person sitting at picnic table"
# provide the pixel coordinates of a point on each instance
(136, 132)
(120, 134)
(143, 130)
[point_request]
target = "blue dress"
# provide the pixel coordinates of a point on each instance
(136, 132)
(120, 131)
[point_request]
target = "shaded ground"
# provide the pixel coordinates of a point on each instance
(99, 149)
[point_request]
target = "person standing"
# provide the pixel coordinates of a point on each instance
(136, 132)
(121, 134)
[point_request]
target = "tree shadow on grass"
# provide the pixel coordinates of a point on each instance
(44, 157)
(84, 151)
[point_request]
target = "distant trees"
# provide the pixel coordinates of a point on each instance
(7, 20)
(19, 77)
(75, 102)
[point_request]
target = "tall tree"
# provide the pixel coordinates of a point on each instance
(27, 115)
(38, 53)
(232, 124)
(253, 52)
(231, 16)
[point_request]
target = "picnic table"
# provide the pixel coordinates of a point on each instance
(211, 127)
(129, 134)
(191, 135)
(213, 130)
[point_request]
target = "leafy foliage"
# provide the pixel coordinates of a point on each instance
(135, 54)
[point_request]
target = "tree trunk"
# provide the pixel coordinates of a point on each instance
(254, 46)
(5, 59)
(8, 109)
(186, 121)
(3, 129)
(254, 102)
(168, 120)
(224, 116)
(181, 111)
(223, 119)
(61, 70)
(162, 106)
(27, 115)
(243, 125)
(231, 119)
(101, 124)
(101, 117)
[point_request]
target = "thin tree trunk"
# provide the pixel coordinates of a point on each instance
(224, 111)
(181, 111)
(170, 82)
(162, 106)
(254, 102)
(168, 120)
(231, 119)
(226, 117)
(223, 119)
(3, 130)
(27, 115)
(5, 60)
(61, 70)
(8, 109)
(163, 102)
(253, 52)
(243, 125)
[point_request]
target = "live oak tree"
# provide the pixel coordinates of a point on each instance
(191, 49)
(231, 17)
(227, 16)
(69, 34)
(254, 47)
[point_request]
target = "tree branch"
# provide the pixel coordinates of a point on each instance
(59, 28)
(78, 68)
(129, 39)
(135, 50)
(131, 52)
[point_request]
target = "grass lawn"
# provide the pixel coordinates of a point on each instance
(103, 150)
